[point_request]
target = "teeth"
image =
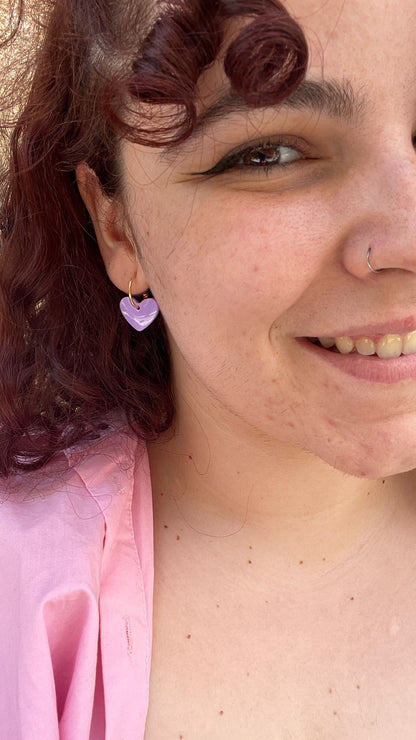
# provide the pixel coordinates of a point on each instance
(365, 346)
(345, 345)
(327, 342)
(389, 346)
(409, 343)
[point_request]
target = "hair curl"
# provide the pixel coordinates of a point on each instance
(67, 358)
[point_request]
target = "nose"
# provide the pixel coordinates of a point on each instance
(380, 209)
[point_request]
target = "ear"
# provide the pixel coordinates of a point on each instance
(116, 244)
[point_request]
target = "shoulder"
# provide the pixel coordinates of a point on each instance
(83, 489)
(76, 553)
(56, 523)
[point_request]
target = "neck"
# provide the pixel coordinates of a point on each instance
(224, 480)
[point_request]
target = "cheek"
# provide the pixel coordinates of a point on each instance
(242, 253)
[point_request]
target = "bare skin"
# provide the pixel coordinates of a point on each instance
(284, 512)
(254, 638)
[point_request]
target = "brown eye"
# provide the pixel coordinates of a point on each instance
(263, 157)
(268, 156)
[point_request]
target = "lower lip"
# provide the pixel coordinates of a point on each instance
(371, 367)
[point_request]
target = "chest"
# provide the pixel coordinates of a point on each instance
(232, 659)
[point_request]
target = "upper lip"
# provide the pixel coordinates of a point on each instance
(394, 326)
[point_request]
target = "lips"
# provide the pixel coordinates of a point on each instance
(387, 346)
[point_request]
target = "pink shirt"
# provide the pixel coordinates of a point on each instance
(76, 585)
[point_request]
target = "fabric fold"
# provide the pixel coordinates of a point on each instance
(76, 577)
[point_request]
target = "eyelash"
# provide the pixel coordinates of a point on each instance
(235, 159)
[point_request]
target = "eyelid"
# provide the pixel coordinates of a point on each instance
(283, 140)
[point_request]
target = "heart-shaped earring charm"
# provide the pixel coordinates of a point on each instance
(139, 315)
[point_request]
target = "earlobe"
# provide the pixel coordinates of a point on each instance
(115, 243)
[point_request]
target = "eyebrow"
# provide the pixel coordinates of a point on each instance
(333, 98)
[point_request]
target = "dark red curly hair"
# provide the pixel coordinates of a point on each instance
(67, 358)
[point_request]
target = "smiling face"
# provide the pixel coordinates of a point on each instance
(254, 236)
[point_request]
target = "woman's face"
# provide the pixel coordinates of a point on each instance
(254, 236)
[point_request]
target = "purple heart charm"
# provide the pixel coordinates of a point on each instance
(142, 316)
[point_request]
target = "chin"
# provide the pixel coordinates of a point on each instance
(374, 449)
(383, 462)
(374, 470)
